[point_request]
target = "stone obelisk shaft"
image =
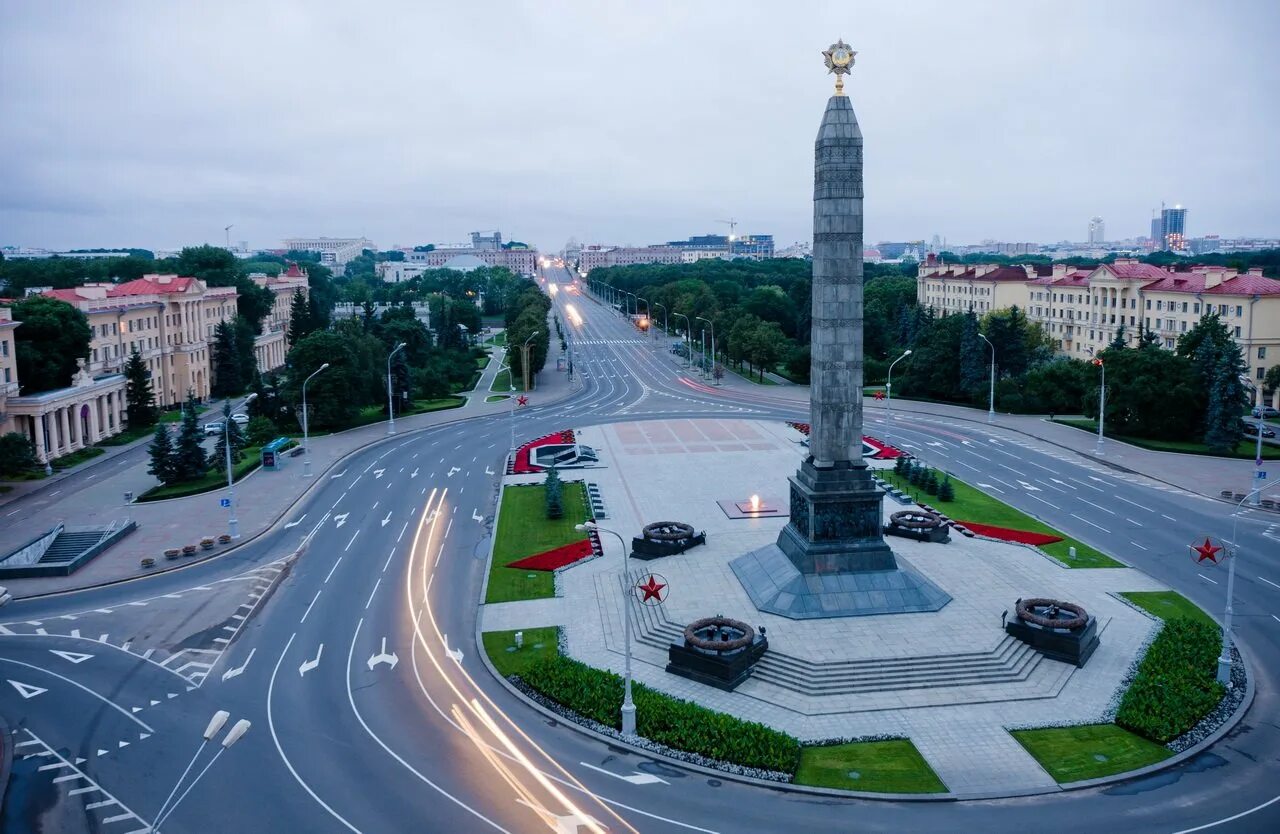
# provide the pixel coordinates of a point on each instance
(836, 343)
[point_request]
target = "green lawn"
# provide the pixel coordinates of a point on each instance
(77, 457)
(508, 660)
(1244, 449)
(378, 413)
(894, 766)
(1168, 605)
(523, 530)
(496, 398)
(972, 504)
(499, 338)
(469, 384)
(482, 361)
(128, 436)
(1071, 754)
(501, 381)
(753, 378)
(213, 479)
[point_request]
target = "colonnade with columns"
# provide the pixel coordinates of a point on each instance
(81, 419)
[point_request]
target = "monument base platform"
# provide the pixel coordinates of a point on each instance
(776, 586)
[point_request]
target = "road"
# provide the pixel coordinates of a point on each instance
(346, 635)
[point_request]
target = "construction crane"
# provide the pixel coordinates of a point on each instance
(227, 231)
(733, 225)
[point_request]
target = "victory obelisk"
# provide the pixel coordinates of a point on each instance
(831, 559)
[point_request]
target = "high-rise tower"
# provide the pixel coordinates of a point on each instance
(1097, 230)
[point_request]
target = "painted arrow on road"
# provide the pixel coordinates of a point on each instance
(1062, 483)
(453, 470)
(74, 657)
(475, 516)
(990, 487)
(489, 471)
(341, 518)
(637, 778)
(1028, 487)
(339, 475)
(934, 443)
(308, 665)
(377, 473)
(293, 524)
(383, 657)
(388, 518)
(231, 673)
(456, 654)
(26, 690)
(414, 473)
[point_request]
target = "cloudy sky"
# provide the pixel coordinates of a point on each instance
(156, 124)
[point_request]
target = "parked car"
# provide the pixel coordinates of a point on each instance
(1265, 411)
(213, 428)
(241, 420)
(1251, 429)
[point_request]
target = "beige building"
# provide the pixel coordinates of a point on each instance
(271, 346)
(1083, 310)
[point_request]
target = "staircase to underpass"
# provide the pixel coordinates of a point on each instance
(62, 550)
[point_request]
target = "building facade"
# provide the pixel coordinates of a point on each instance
(333, 251)
(1097, 230)
(519, 260)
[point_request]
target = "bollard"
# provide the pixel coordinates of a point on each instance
(519, 639)
(1071, 552)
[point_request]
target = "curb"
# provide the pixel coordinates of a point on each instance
(272, 525)
(6, 757)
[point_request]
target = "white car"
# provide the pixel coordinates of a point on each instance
(240, 420)
(213, 428)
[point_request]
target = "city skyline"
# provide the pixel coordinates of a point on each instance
(621, 126)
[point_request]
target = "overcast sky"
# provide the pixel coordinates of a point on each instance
(156, 124)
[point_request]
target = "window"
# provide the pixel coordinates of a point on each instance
(1131, 321)
(1196, 308)
(4, 348)
(1262, 373)
(1184, 306)
(1182, 326)
(1148, 304)
(1239, 310)
(1159, 305)
(1237, 333)
(1262, 352)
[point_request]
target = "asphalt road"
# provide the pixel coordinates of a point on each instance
(346, 636)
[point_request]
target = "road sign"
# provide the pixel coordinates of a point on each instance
(224, 502)
(1260, 475)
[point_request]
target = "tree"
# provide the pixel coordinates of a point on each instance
(1121, 341)
(553, 488)
(1222, 414)
(188, 453)
(17, 453)
(161, 453)
(227, 381)
(1008, 331)
(140, 399)
(1272, 380)
(352, 379)
(766, 345)
(1150, 393)
(946, 491)
(300, 318)
(246, 352)
(218, 457)
(261, 431)
(50, 340)
(974, 352)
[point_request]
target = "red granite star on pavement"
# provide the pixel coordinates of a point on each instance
(522, 400)
(879, 395)
(1207, 551)
(652, 589)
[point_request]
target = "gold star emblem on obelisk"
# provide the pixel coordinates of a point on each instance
(839, 58)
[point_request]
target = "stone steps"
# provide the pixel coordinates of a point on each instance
(67, 546)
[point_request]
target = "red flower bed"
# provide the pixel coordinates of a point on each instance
(1020, 536)
(555, 558)
(883, 450)
(521, 458)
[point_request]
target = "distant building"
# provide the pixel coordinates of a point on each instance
(1173, 229)
(1097, 230)
(333, 251)
(486, 249)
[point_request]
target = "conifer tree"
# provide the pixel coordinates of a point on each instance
(227, 381)
(1226, 394)
(553, 486)
(161, 454)
(218, 457)
(188, 452)
(140, 399)
(300, 323)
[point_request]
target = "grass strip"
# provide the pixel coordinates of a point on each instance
(1246, 449)
(1071, 754)
(523, 530)
(1176, 683)
(508, 660)
(215, 478)
(1168, 605)
(892, 766)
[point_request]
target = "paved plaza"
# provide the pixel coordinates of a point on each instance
(952, 681)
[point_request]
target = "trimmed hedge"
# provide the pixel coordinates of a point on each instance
(682, 725)
(1176, 683)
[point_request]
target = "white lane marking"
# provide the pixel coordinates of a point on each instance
(1269, 582)
(331, 570)
(293, 524)
(1097, 506)
(402, 529)
(1090, 523)
(1082, 483)
(1171, 518)
(1135, 523)
(447, 529)
(1233, 818)
(1042, 501)
(1135, 544)
(1207, 579)
(80, 686)
(389, 557)
(231, 673)
(353, 541)
(1134, 503)
(309, 607)
(370, 602)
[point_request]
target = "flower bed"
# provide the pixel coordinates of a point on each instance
(520, 460)
(555, 558)
(1176, 683)
(1008, 534)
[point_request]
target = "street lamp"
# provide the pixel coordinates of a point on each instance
(688, 343)
(233, 524)
(665, 332)
(215, 726)
(391, 407)
(888, 387)
(628, 706)
(648, 310)
(1224, 660)
(1102, 404)
(524, 359)
(713, 348)
(306, 441)
(991, 403)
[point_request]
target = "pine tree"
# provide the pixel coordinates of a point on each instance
(930, 484)
(218, 457)
(974, 354)
(1147, 338)
(188, 452)
(300, 323)
(161, 453)
(1226, 394)
(226, 362)
(1120, 342)
(900, 464)
(140, 399)
(553, 487)
(946, 492)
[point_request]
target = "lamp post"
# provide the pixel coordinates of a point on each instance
(524, 360)
(306, 435)
(991, 402)
(688, 343)
(391, 406)
(713, 348)
(1224, 660)
(888, 387)
(215, 726)
(1102, 404)
(634, 307)
(648, 311)
(628, 706)
(665, 332)
(233, 524)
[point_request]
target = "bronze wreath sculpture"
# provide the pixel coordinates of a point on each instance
(1026, 611)
(692, 638)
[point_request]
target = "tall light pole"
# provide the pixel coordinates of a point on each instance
(688, 339)
(1224, 660)
(215, 725)
(1102, 404)
(713, 348)
(391, 406)
(634, 308)
(991, 402)
(524, 359)
(628, 706)
(306, 435)
(888, 387)
(233, 524)
(648, 311)
(664, 322)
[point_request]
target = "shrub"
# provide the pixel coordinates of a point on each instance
(682, 725)
(916, 475)
(930, 482)
(554, 492)
(17, 453)
(900, 465)
(946, 492)
(1175, 685)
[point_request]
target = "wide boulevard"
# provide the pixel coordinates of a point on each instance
(347, 636)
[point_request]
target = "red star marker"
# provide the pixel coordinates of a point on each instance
(879, 395)
(652, 589)
(522, 400)
(1207, 551)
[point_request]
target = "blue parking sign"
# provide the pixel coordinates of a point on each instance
(225, 502)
